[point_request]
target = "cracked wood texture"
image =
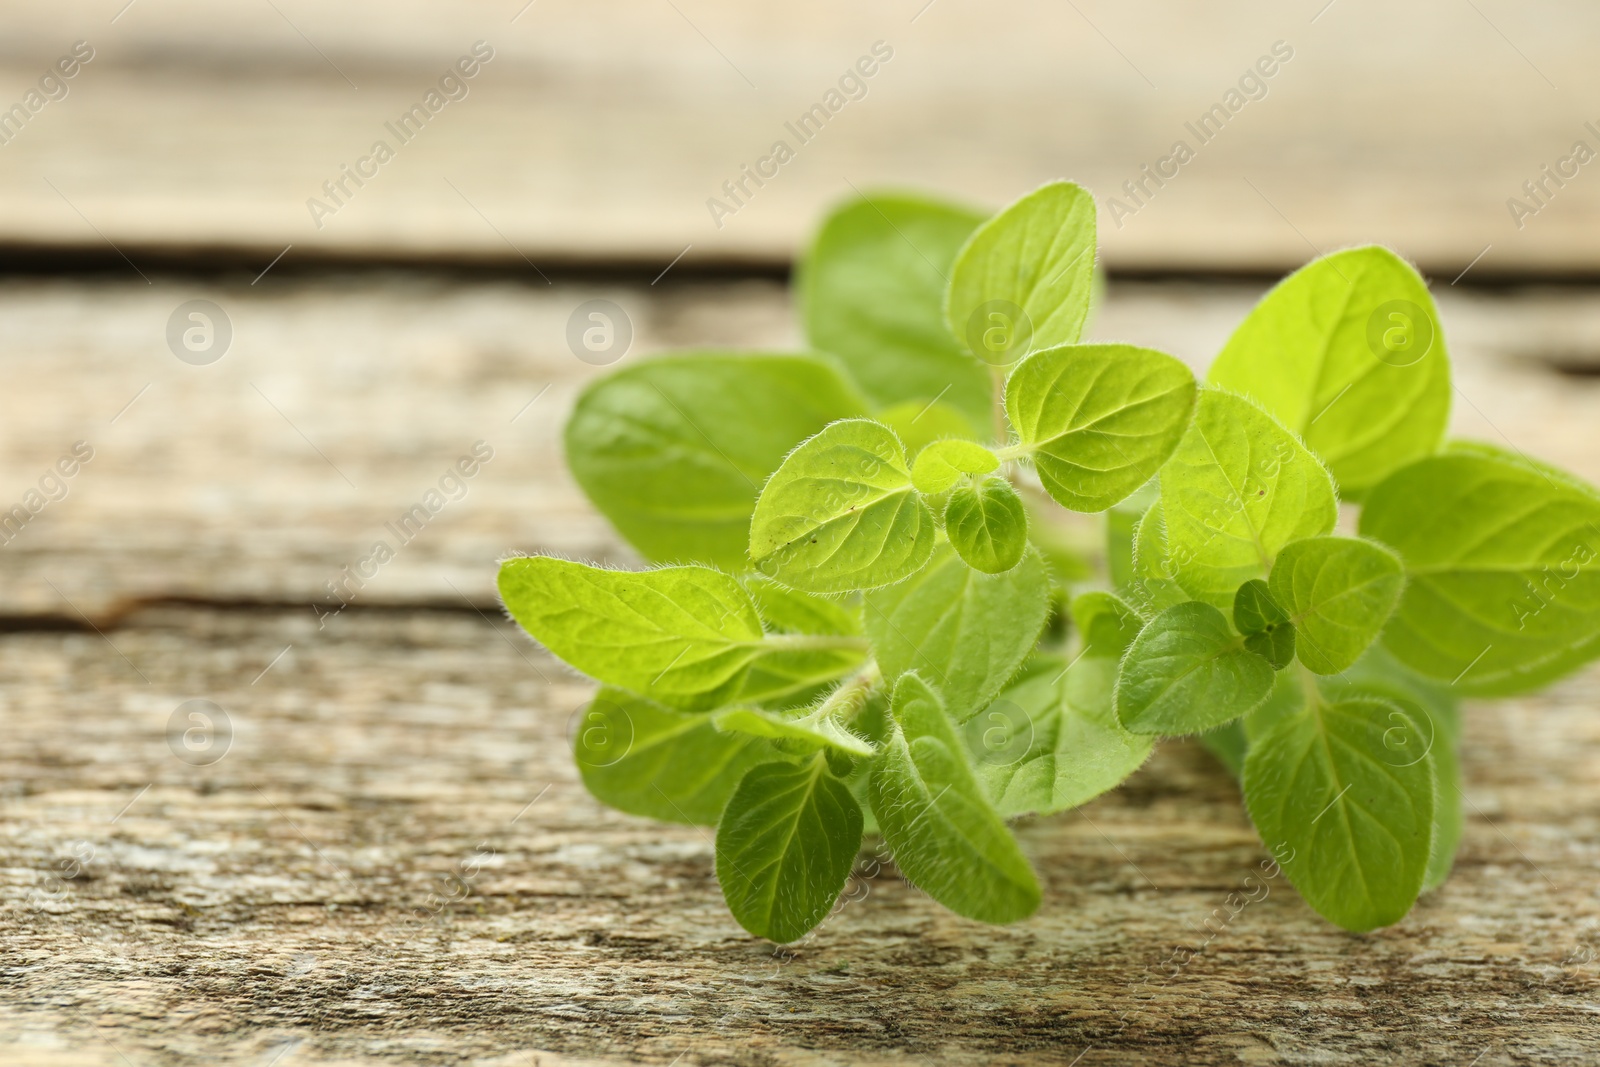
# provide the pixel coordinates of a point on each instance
(394, 861)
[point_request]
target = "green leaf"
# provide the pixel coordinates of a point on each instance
(1187, 672)
(1106, 623)
(813, 730)
(1347, 353)
(1355, 815)
(967, 630)
(871, 290)
(945, 837)
(1051, 741)
(919, 424)
(644, 759)
(1121, 521)
(1154, 586)
(1434, 708)
(1228, 744)
(940, 466)
(798, 672)
(987, 524)
(840, 514)
(674, 450)
(1023, 281)
(785, 846)
(1266, 629)
(1339, 591)
(1098, 421)
(1236, 491)
(686, 636)
(1502, 571)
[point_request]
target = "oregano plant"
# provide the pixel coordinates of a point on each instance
(872, 608)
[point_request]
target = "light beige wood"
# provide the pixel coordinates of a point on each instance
(603, 132)
(265, 908)
(228, 481)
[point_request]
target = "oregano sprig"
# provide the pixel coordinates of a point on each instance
(864, 612)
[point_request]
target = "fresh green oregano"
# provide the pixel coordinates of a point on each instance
(870, 610)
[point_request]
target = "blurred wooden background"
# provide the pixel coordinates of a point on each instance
(599, 131)
(291, 903)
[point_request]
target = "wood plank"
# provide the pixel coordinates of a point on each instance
(228, 481)
(604, 136)
(283, 901)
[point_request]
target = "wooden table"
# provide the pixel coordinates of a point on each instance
(302, 899)
(392, 860)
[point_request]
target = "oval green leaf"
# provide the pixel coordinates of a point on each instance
(1502, 567)
(674, 450)
(785, 846)
(1347, 352)
(966, 630)
(946, 838)
(1025, 279)
(1348, 812)
(987, 525)
(645, 759)
(1238, 488)
(1187, 672)
(1339, 591)
(871, 290)
(841, 514)
(1099, 420)
(1052, 741)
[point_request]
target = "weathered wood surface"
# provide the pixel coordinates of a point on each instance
(265, 909)
(229, 481)
(604, 131)
(286, 904)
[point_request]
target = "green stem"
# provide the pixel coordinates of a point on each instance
(812, 642)
(1002, 427)
(851, 695)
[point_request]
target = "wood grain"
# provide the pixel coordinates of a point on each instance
(293, 903)
(603, 134)
(229, 481)
(288, 900)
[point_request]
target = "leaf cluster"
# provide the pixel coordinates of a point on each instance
(873, 609)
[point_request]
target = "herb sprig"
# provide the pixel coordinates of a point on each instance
(868, 618)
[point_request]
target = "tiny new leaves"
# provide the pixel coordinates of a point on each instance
(841, 514)
(1238, 488)
(1106, 624)
(987, 524)
(1052, 741)
(1339, 591)
(965, 630)
(1024, 279)
(1354, 809)
(871, 291)
(1347, 352)
(1503, 570)
(941, 464)
(1267, 630)
(645, 759)
(946, 838)
(1099, 420)
(1187, 672)
(785, 845)
(674, 450)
